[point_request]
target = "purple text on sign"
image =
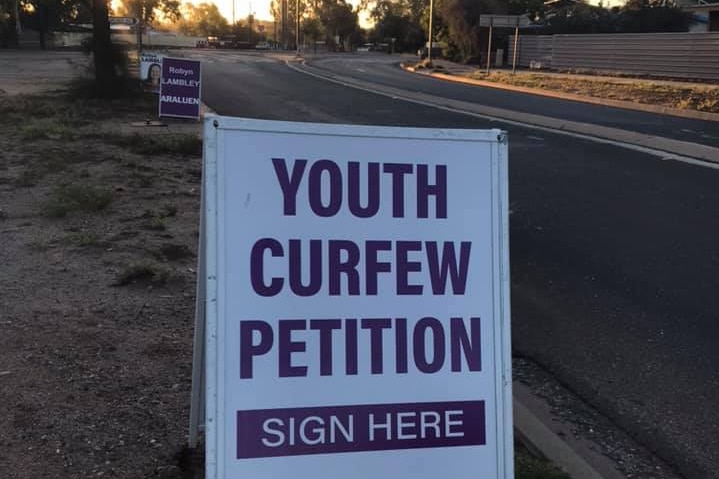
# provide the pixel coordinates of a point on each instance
(377, 427)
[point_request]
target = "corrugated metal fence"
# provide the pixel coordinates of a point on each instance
(675, 55)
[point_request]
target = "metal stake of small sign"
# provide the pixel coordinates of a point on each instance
(504, 21)
(516, 44)
(489, 45)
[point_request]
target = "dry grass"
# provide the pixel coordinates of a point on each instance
(701, 97)
(79, 197)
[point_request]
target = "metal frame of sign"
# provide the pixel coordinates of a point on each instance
(208, 384)
(159, 96)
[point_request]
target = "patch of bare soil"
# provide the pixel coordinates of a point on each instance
(98, 237)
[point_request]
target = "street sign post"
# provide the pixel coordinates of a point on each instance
(503, 21)
(353, 302)
(131, 21)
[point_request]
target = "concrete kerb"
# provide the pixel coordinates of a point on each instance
(665, 148)
(539, 431)
(664, 110)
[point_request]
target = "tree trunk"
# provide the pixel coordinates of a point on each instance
(18, 26)
(103, 55)
(42, 14)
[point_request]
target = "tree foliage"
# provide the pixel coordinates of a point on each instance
(636, 16)
(7, 24)
(339, 20)
(460, 19)
(401, 20)
(334, 21)
(148, 10)
(653, 16)
(582, 18)
(202, 20)
(287, 26)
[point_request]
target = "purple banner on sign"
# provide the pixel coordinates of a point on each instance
(180, 88)
(377, 427)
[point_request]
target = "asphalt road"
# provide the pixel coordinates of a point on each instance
(383, 70)
(614, 253)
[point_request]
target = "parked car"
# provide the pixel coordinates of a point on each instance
(436, 50)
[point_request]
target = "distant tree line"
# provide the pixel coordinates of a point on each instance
(636, 16)
(456, 22)
(334, 22)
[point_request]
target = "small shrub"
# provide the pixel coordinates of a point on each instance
(168, 210)
(47, 128)
(528, 466)
(141, 273)
(29, 177)
(70, 198)
(83, 239)
(158, 223)
(177, 144)
(143, 181)
(174, 252)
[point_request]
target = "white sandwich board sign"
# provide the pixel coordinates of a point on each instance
(353, 302)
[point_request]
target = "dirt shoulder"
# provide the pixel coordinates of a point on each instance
(98, 226)
(669, 95)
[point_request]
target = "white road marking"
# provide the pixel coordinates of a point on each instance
(629, 146)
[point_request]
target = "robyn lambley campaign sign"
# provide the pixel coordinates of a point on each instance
(180, 88)
(357, 302)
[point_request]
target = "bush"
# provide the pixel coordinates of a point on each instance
(67, 199)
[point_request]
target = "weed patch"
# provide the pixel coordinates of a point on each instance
(83, 239)
(700, 98)
(46, 128)
(528, 466)
(168, 210)
(143, 181)
(174, 252)
(29, 177)
(71, 198)
(147, 145)
(143, 272)
(158, 223)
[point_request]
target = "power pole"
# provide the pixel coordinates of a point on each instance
(284, 22)
(18, 27)
(429, 48)
(251, 21)
(297, 28)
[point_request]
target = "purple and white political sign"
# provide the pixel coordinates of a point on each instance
(357, 302)
(180, 88)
